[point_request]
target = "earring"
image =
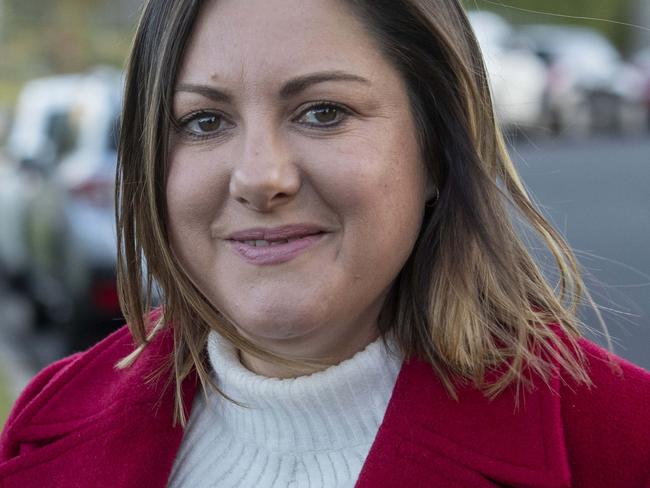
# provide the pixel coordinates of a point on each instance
(431, 202)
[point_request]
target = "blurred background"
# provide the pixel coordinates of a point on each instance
(572, 95)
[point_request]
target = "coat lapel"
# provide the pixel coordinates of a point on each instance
(92, 425)
(426, 436)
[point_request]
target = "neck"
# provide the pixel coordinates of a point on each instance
(321, 353)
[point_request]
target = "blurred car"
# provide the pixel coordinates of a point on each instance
(585, 62)
(642, 62)
(69, 226)
(37, 140)
(517, 77)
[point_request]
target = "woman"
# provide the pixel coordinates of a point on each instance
(321, 196)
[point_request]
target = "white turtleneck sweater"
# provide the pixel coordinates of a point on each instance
(310, 431)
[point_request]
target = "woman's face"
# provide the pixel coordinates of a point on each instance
(293, 124)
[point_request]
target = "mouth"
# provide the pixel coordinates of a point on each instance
(274, 246)
(274, 242)
(264, 243)
(277, 235)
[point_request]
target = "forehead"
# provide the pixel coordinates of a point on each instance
(258, 41)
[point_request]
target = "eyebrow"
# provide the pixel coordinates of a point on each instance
(290, 89)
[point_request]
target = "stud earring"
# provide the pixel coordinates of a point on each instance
(432, 201)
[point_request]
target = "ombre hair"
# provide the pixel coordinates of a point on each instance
(471, 300)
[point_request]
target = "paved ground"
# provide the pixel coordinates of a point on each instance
(597, 193)
(23, 351)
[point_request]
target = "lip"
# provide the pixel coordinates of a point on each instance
(304, 237)
(276, 233)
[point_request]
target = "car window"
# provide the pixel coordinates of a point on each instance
(61, 132)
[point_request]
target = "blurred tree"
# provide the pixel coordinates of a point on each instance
(40, 38)
(6, 399)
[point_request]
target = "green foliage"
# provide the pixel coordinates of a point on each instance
(599, 14)
(6, 400)
(40, 38)
(44, 38)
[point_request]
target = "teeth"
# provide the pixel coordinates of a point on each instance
(263, 243)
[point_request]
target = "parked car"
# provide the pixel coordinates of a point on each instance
(642, 61)
(69, 226)
(37, 140)
(584, 61)
(517, 76)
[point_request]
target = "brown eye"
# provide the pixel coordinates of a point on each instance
(324, 115)
(208, 123)
(203, 124)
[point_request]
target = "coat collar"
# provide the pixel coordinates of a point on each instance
(516, 448)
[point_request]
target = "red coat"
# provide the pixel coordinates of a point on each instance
(81, 423)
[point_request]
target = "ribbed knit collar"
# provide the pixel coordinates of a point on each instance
(338, 407)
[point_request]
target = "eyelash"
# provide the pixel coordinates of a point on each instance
(197, 115)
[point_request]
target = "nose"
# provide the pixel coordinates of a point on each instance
(265, 177)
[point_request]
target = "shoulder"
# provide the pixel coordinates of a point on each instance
(619, 387)
(80, 389)
(607, 424)
(557, 432)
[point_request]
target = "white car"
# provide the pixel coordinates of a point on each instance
(70, 226)
(642, 61)
(517, 77)
(34, 146)
(611, 88)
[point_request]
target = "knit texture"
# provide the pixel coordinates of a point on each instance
(310, 431)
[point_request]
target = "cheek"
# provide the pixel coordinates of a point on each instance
(376, 185)
(377, 177)
(393, 214)
(195, 191)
